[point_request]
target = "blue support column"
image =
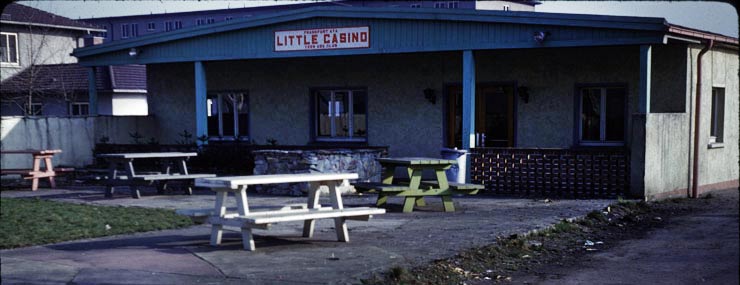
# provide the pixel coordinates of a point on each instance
(468, 109)
(645, 71)
(201, 120)
(92, 91)
(468, 102)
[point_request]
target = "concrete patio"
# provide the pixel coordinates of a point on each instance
(184, 256)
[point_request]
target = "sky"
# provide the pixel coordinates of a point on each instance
(710, 16)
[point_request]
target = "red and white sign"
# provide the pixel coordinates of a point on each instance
(325, 38)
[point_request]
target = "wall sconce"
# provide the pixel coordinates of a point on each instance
(523, 92)
(540, 36)
(133, 52)
(430, 96)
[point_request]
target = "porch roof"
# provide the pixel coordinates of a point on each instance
(392, 30)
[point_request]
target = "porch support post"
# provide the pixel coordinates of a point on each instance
(468, 102)
(645, 70)
(92, 91)
(201, 120)
(468, 109)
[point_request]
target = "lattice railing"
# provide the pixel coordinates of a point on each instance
(580, 173)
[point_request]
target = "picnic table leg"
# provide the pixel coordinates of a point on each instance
(242, 206)
(408, 204)
(161, 187)
(447, 202)
(217, 229)
(112, 175)
(248, 239)
(36, 168)
(50, 168)
(420, 202)
(132, 184)
(313, 203)
(340, 224)
(382, 199)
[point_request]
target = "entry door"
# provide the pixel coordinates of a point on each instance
(494, 116)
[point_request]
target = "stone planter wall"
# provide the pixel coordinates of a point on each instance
(360, 161)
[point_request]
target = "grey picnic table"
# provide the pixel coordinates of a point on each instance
(246, 220)
(415, 189)
(174, 168)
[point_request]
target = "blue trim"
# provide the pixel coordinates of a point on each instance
(643, 103)
(201, 95)
(396, 14)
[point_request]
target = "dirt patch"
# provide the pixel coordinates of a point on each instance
(563, 244)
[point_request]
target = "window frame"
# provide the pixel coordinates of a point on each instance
(717, 115)
(219, 101)
(151, 26)
(71, 106)
(200, 21)
(314, 92)
(210, 20)
(134, 30)
(34, 106)
(578, 126)
(507, 7)
(7, 42)
(178, 24)
(125, 31)
(168, 25)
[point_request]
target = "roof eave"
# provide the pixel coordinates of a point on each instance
(52, 26)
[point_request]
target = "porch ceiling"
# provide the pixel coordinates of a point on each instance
(392, 30)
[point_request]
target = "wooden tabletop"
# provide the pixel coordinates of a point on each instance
(32, 151)
(148, 155)
(415, 160)
(234, 182)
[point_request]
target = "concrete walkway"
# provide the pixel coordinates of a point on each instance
(283, 257)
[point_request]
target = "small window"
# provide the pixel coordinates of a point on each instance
(168, 26)
(199, 21)
(228, 18)
(211, 20)
(417, 5)
(134, 30)
(453, 5)
(151, 26)
(507, 8)
(79, 108)
(178, 25)
(340, 115)
(440, 5)
(9, 48)
(717, 125)
(125, 31)
(228, 115)
(602, 118)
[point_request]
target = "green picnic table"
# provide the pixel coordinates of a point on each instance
(415, 189)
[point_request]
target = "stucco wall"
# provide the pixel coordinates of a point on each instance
(75, 136)
(41, 46)
(171, 97)
(666, 153)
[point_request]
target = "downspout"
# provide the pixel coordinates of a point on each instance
(697, 113)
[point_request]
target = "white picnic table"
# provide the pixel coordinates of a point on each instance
(246, 220)
(131, 178)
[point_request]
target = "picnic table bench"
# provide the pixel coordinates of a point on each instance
(35, 173)
(246, 220)
(415, 189)
(133, 180)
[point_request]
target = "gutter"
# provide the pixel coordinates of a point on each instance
(53, 26)
(697, 112)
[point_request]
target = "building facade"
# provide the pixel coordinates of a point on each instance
(419, 80)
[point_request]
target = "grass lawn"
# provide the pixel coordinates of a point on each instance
(25, 222)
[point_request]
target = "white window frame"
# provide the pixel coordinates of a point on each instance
(220, 104)
(717, 119)
(351, 113)
(134, 30)
(210, 20)
(168, 26)
(125, 31)
(602, 117)
(72, 106)
(7, 51)
(151, 26)
(507, 7)
(200, 21)
(453, 5)
(178, 25)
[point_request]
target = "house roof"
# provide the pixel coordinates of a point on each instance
(15, 13)
(393, 30)
(72, 77)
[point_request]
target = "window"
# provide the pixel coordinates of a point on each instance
(134, 30)
(151, 26)
(79, 108)
(507, 8)
(34, 109)
(211, 20)
(228, 18)
(199, 21)
(168, 26)
(340, 115)
(602, 118)
(9, 48)
(104, 34)
(440, 5)
(418, 5)
(228, 115)
(717, 125)
(178, 25)
(125, 31)
(452, 5)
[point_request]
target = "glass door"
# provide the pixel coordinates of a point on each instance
(494, 116)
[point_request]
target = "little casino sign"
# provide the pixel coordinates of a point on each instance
(321, 39)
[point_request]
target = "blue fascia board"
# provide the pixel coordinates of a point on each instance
(530, 18)
(436, 48)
